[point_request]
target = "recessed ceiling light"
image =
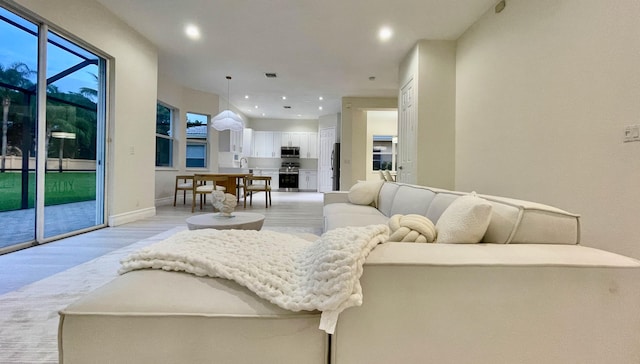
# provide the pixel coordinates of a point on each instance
(299, 114)
(263, 114)
(192, 31)
(246, 96)
(385, 33)
(320, 98)
(319, 107)
(256, 106)
(284, 97)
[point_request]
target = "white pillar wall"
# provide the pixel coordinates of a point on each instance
(544, 93)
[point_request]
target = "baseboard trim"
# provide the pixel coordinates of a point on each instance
(164, 201)
(131, 216)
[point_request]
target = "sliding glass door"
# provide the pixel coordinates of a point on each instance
(73, 141)
(18, 79)
(53, 134)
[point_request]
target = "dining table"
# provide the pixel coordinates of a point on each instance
(233, 180)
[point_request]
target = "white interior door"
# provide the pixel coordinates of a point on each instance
(407, 135)
(325, 174)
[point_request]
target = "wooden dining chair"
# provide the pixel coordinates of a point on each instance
(257, 184)
(204, 184)
(184, 184)
(239, 187)
(388, 176)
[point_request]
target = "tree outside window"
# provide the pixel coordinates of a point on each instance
(196, 140)
(164, 136)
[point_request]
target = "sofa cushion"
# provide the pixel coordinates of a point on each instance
(412, 200)
(365, 192)
(349, 208)
(385, 198)
(464, 221)
(346, 219)
(440, 203)
(523, 222)
(154, 316)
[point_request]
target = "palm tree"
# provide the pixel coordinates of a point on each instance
(16, 75)
(89, 92)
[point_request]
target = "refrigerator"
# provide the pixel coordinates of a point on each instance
(335, 166)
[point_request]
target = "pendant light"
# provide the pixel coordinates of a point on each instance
(227, 119)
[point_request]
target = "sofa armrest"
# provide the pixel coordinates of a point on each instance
(336, 197)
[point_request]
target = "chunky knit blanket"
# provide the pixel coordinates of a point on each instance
(286, 270)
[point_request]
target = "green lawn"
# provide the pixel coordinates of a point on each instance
(60, 188)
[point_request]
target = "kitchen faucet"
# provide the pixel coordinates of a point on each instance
(245, 160)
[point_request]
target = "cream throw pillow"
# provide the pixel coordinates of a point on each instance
(464, 221)
(365, 192)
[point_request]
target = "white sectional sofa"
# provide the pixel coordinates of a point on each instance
(512, 221)
(529, 293)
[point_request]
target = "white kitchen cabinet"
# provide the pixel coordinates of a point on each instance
(296, 139)
(247, 142)
(266, 144)
(230, 141)
(309, 146)
(292, 138)
(226, 141)
(259, 144)
(285, 139)
(308, 180)
(236, 141)
(263, 146)
(277, 143)
(313, 145)
(307, 141)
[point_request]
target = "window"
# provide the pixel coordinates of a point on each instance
(196, 140)
(384, 152)
(164, 136)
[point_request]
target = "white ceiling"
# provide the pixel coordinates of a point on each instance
(325, 48)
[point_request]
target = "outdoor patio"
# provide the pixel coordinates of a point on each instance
(19, 225)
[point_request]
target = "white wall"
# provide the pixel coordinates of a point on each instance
(544, 90)
(133, 79)
(184, 100)
(379, 123)
(431, 64)
(353, 135)
(330, 121)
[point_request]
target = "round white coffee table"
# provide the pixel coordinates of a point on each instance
(238, 220)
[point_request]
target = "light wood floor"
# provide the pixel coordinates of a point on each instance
(20, 268)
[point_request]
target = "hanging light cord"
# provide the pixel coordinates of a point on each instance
(228, 92)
